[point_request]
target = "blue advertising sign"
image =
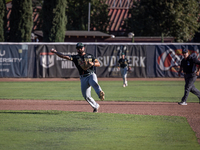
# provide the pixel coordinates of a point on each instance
(13, 60)
(168, 58)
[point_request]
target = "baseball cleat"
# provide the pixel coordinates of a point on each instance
(96, 109)
(182, 103)
(102, 95)
(124, 85)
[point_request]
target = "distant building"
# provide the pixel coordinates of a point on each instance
(118, 10)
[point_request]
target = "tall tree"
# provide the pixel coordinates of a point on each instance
(77, 14)
(177, 18)
(54, 20)
(99, 15)
(21, 21)
(2, 20)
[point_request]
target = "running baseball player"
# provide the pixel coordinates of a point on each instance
(85, 64)
(124, 67)
(188, 65)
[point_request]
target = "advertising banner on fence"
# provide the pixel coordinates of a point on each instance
(50, 65)
(108, 56)
(37, 60)
(13, 60)
(168, 58)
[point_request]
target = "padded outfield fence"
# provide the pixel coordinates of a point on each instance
(35, 60)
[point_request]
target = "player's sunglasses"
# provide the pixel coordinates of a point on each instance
(79, 47)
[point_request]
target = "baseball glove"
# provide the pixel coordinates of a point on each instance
(85, 65)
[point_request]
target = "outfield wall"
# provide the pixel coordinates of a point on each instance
(34, 60)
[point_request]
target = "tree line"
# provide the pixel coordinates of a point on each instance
(176, 18)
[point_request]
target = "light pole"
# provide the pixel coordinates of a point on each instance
(89, 6)
(131, 35)
(162, 37)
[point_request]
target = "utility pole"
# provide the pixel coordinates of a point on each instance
(162, 37)
(89, 17)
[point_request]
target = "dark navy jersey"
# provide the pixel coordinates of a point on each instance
(189, 64)
(123, 62)
(77, 59)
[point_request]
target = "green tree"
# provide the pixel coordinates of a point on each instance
(2, 20)
(99, 15)
(54, 20)
(77, 14)
(21, 21)
(177, 18)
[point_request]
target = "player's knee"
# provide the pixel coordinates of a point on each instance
(96, 85)
(87, 97)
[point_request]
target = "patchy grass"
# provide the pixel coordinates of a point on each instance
(50, 130)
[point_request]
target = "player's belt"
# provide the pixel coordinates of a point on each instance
(85, 75)
(124, 67)
(189, 72)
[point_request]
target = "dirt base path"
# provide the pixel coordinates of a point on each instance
(191, 111)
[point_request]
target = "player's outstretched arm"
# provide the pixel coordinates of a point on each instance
(60, 54)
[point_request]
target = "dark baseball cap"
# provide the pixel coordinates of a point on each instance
(79, 45)
(122, 54)
(184, 50)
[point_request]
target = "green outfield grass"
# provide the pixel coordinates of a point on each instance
(155, 91)
(50, 130)
(58, 130)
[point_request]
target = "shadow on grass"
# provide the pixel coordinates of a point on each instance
(54, 112)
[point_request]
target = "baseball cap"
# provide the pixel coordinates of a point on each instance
(184, 50)
(79, 45)
(122, 54)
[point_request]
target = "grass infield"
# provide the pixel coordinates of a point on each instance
(154, 91)
(50, 130)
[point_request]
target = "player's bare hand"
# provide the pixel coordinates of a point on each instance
(53, 50)
(197, 73)
(91, 63)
